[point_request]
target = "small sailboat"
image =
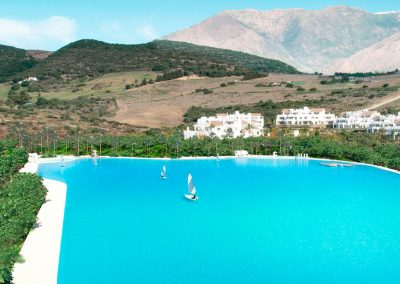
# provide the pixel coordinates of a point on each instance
(191, 189)
(163, 172)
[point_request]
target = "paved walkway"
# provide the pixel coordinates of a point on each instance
(41, 249)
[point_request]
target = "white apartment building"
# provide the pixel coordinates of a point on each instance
(305, 117)
(371, 121)
(225, 125)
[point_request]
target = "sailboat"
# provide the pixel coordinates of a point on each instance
(164, 172)
(191, 189)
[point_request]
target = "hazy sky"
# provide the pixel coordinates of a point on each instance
(45, 24)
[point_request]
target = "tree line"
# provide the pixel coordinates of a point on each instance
(376, 148)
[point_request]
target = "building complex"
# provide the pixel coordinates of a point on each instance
(225, 125)
(370, 121)
(305, 117)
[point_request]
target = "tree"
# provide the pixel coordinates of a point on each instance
(19, 98)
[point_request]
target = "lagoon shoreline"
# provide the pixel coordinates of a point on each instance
(42, 247)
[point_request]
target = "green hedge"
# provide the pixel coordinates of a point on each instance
(11, 159)
(21, 196)
(20, 199)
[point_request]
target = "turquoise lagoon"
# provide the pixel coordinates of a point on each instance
(257, 221)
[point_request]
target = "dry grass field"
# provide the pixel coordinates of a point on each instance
(163, 104)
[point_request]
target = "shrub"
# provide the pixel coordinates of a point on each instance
(18, 98)
(15, 87)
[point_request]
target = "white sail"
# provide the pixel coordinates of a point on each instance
(191, 188)
(164, 172)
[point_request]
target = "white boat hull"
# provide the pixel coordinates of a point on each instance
(163, 177)
(190, 197)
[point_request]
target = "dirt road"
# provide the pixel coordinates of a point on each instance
(385, 101)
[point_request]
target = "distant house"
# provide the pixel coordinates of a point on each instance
(32, 79)
(305, 117)
(225, 125)
(29, 79)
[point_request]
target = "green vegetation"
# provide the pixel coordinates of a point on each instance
(376, 148)
(92, 106)
(21, 196)
(13, 61)
(204, 91)
(333, 81)
(18, 98)
(86, 58)
(365, 91)
(367, 74)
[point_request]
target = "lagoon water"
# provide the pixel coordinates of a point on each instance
(257, 221)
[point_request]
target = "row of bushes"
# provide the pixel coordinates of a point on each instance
(21, 196)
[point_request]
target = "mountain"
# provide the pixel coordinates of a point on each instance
(91, 58)
(14, 60)
(308, 40)
(380, 57)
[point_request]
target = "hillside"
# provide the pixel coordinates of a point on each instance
(310, 40)
(13, 60)
(39, 54)
(93, 58)
(380, 57)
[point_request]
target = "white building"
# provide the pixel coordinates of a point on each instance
(371, 121)
(305, 117)
(29, 79)
(227, 125)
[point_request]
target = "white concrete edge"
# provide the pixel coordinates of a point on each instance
(54, 160)
(41, 249)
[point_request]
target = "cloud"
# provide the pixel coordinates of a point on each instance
(147, 31)
(128, 32)
(114, 30)
(388, 12)
(40, 34)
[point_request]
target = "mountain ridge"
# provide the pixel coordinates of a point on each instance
(310, 40)
(92, 57)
